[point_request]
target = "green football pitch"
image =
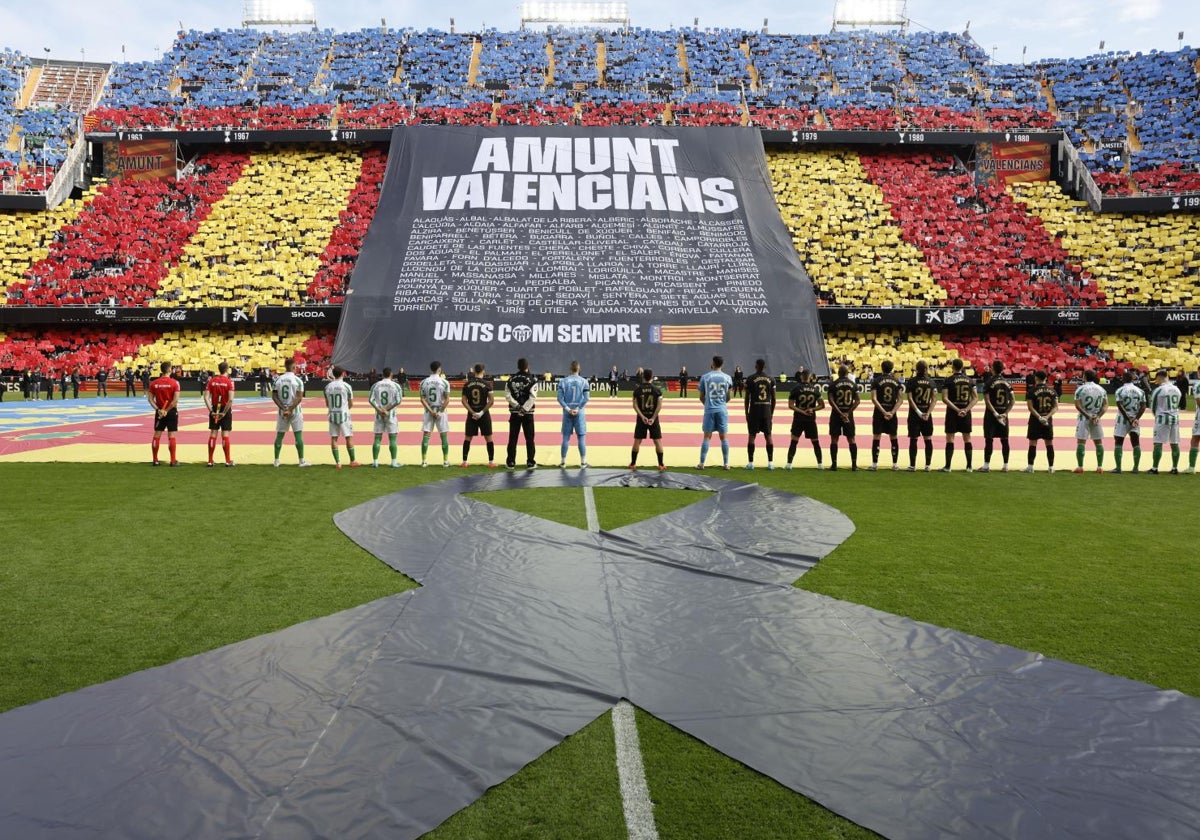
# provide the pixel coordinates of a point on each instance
(112, 568)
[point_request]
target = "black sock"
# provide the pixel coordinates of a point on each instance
(491, 451)
(874, 452)
(659, 453)
(750, 452)
(1050, 453)
(770, 451)
(928, 452)
(466, 449)
(854, 454)
(833, 448)
(912, 452)
(949, 454)
(791, 451)
(633, 456)
(817, 450)
(988, 448)
(1032, 453)
(968, 448)
(1004, 450)
(895, 451)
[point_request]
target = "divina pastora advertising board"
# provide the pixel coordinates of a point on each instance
(653, 247)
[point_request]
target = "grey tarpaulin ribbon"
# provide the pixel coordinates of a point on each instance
(384, 720)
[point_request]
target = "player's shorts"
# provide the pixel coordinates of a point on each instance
(759, 423)
(429, 423)
(918, 427)
(1085, 428)
(805, 426)
(880, 425)
(389, 425)
(715, 420)
(1166, 434)
(482, 426)
(576, 425)
(295, 422)
(993, 428)
(641, 431)
(169, 422)
(1123, 428)
(225, 424)
(1040, 431)
(956, 425)
(838, 426)
(342, 429)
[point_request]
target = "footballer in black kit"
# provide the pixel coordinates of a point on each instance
(760, 412)
(998, 402)
(477, 399)
(843, 399)
(1043, 402)
(958, 393)
(921, 394)
(885, 396)
(647, 403)
(805, 401)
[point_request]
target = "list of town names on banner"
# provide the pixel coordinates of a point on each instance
(581, 265)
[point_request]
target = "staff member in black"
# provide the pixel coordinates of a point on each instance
(885, 396)
(521, 393)
(130, 388)
(958, 393)
(998, 402)
(683, 381)
(102, 382)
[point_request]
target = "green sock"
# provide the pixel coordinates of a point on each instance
(375, 448)
(1137, 455)
(1079, 454)
(337, 457)
(1174, 456)
(445, 449)
(350, 449)
(300, 445)
(1192, 458)
(1118, 453)
(424, 446)
(1157, 454)
(392, 446)
(1099, 455)
(278, 445)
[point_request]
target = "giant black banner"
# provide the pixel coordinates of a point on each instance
(652, 247)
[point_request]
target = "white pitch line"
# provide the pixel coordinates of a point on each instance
(631, 771)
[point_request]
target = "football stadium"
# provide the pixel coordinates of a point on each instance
(869, 355)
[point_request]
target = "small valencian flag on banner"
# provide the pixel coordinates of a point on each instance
(687, 334)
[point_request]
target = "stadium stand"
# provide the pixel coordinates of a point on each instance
(1136, 259)
(340, 255)
(844, 234)
(262, 242)
(980, 246)
(89, 349)
(203, 349)
(25, 238)
(869, 348)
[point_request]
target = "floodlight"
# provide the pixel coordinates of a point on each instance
(574, 14)
(279, 13)
(857, 14)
